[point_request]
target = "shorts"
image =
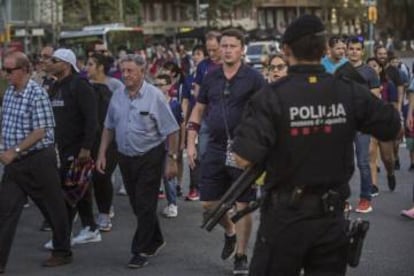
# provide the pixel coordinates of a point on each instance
(409, 143)
(216, 177)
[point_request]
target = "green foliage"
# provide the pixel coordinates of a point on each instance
(78, 13)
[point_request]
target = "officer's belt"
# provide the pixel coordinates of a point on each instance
(318, 203)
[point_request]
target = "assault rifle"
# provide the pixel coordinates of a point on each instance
(242, 184)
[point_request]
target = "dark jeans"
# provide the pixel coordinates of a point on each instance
(292, 238)
(102, 183)
(142, 179)
(35, 175)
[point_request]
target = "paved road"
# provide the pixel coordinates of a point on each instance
(192, 251)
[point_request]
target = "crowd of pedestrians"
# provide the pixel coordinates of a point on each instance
(69, 127)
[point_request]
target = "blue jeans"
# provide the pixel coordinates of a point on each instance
(362, 142)
(170, 190)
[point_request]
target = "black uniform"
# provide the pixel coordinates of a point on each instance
(304, 126)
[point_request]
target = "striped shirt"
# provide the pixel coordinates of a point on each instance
(25, 111)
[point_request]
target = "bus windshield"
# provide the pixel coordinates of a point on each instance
(112, 37)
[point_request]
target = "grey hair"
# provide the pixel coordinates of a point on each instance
(138, 59)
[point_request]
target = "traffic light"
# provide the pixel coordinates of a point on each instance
(372, 14)
(5, 35)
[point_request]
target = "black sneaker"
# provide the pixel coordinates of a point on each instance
(391, 182)
(240, 265)
(153, 251)
(374, 191)
(411, 168)
(397, 164)
(137, 261)
(45, 226)
(229, 248)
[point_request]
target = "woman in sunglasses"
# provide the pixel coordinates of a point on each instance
(277, 67)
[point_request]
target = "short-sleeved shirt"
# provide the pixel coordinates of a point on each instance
(25, 111)
(141, 123)
(389, 92)
(393, 74)
(241, 87)
(369, 75)
(331, 67)
(114, 84)
(176, 110)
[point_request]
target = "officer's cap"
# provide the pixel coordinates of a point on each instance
(304, 25)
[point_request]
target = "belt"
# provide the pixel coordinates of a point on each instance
(328, 203)
(27, 154)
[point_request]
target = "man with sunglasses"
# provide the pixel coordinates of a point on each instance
(75, 109)
(336, 54)
(30, 161)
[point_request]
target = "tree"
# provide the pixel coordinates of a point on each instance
(395, 18)
(224, 8)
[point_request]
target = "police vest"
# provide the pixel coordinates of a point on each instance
(315, 132)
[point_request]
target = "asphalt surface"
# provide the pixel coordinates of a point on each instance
(192, 251)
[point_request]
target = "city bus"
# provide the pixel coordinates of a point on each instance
(112, 35)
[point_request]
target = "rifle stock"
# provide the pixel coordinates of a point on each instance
(244, 182)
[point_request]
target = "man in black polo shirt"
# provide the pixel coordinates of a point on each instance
(224, 92)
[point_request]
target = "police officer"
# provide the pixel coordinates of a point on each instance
(304, 126)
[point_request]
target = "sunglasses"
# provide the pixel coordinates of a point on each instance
(55, 60)
(10, 70)
(279, 67)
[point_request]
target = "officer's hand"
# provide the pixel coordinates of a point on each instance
(192, 155)
(241, 162)
(101, 164)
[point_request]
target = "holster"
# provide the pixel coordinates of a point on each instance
(357, 231)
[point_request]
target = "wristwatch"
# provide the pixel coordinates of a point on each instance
(173, 156)
(17, 151)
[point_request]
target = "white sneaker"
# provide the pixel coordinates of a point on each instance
(122, 191)
(49, 244)
(104, 222)
(112, 212)
(171, 211)
(87, 236)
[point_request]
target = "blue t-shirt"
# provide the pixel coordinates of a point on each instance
(176, 111)
(330, 67)
(240, 89)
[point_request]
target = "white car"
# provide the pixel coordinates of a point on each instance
(257, 52)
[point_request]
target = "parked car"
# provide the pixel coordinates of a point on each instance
(259, 51)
